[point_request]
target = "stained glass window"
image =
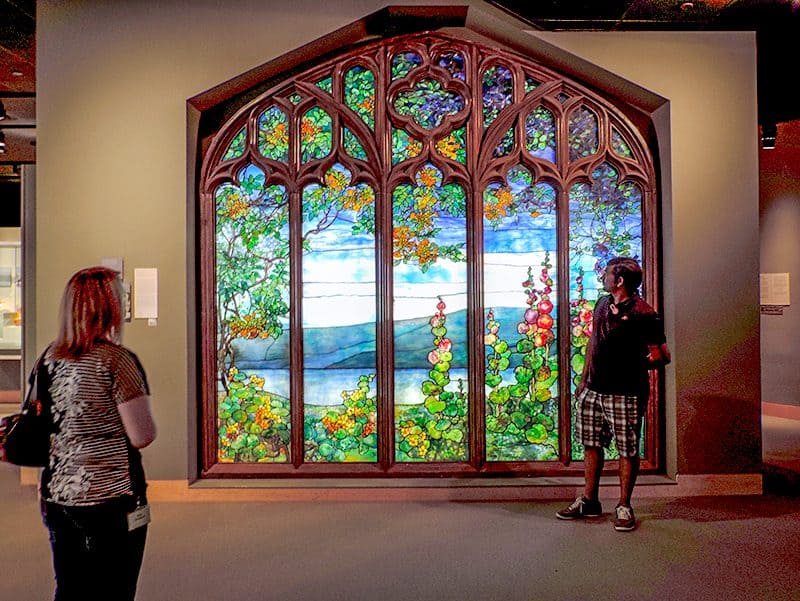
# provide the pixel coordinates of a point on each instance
(252, 234)
(430, 298)
(520, 340)
(340, 413)
(605, 221)
(402, 258)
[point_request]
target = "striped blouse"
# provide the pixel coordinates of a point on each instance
(91, 459)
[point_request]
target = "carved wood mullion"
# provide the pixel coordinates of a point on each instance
(475, 289)
(383, 266)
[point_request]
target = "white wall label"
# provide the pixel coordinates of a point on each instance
(145, 293)
(775, 289)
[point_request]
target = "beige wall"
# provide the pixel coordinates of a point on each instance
(711, 261)
(113, 79)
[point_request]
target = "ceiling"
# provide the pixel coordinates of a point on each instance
(776, 23)
(18, 80)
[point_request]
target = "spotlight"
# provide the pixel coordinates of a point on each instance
(2, 111)
(2, 142)
(769, 133)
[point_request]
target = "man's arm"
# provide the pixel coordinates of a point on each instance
(657, 350)
(658, 354)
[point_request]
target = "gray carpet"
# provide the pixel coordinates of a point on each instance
(731, 548)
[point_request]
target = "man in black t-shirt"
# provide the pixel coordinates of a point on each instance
(627, 340)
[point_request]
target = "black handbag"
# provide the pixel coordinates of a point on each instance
(25, 436)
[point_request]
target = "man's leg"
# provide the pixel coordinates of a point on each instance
(594, 458)
(628, 470)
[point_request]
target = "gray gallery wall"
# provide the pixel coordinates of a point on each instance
(113, 80)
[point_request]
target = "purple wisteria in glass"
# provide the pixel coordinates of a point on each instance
(404, 63)
(506, 144)
(540, 134)
(428, 103)
(530, 84)
(454, 63)
(619, 145)
(582, 133)
(498, 89)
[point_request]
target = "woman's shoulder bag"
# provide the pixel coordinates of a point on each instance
(25, 436)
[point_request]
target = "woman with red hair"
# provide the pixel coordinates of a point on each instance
(93, 489)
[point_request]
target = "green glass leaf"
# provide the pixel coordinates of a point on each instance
(440, 378)
(443, 424)
(619, 145)
(315, 134)
(492, 424)
(433, 432)
(359, 93)
(404, 147)
(434, 405)
(493, 380)
(352, 146)
(499, 396)
(429, 388)
(524, 346)
(273, 134)
(326, 84)
(536, 434)
(404, 63)
(237, 145)
(519, 419)
(454, 434)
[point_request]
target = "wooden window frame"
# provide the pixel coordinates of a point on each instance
(220, 121)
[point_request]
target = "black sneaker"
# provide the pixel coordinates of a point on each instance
(581, 508)
(625, 520)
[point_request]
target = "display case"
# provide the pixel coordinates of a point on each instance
(10, 298)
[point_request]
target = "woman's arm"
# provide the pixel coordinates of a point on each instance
(138, 421)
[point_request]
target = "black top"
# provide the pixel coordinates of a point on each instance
(620, 336)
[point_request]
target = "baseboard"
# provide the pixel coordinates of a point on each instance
(780, 410)
(367, 491)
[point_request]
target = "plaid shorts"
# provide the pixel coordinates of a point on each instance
(606, 416)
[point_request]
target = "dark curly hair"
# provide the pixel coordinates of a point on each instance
(629, 270)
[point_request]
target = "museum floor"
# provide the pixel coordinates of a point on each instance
(722, 547)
